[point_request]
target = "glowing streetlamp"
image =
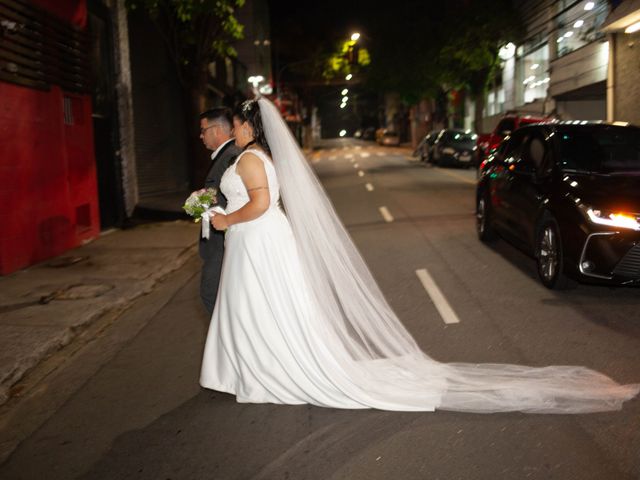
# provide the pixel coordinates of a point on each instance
(355, 36)
(348, 77)
(345, 91)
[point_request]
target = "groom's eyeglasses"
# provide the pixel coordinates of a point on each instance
(202, 130)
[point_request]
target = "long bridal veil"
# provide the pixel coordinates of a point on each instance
(380, 364)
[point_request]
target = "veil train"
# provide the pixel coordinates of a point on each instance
(382, 364)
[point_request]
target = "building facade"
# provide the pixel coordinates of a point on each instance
(92, 120)
(559, 69)
(623, 82)
(49, 194)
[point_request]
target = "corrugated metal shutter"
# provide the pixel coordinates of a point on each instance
(160, 132)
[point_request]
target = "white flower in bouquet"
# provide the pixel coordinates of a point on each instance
(199, 202)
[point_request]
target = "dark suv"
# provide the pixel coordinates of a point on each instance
(569, 194)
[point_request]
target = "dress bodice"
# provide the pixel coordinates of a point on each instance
(234, 190)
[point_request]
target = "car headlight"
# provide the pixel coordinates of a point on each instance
(613, 219)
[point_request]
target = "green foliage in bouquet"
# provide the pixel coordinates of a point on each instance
(199, 202)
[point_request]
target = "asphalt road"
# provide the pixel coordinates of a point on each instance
(126, 403)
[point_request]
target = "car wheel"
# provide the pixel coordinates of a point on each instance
(550, 258)
(484, 228)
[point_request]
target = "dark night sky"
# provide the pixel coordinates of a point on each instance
(300, 26)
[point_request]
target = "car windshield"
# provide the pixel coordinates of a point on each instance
(600, 150)
(459, 138)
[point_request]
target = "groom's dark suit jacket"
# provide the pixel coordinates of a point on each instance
(212, 250)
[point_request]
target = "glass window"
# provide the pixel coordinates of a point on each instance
(512, 150)
(580, 25)
(506, 126)
(534, 68)
(601, 150)
(535, 153)
(495, 101)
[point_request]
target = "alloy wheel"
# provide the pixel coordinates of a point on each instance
(548, 253)
(481, 218)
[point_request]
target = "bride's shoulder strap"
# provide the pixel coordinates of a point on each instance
(258, 153)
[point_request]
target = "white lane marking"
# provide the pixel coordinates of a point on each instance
(384, 211)
(355, 165)
(369, 187)
(360, 173)
(365, 154)
(439, 300)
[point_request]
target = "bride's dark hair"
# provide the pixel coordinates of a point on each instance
(249, 111)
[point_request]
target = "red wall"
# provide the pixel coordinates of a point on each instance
(48, 188)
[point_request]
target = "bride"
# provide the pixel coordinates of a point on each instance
(300, 319)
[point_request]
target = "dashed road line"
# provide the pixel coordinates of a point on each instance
(384, 211)
(438, 298)
(369, 187)
(360, 173)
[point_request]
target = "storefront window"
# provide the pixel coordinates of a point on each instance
(580, 25)
(534, 75)
(495, 101)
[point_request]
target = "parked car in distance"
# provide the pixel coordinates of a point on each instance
(507, 125)
(425, 147)
(369, 133)
(389, 137)
(454, 147)
(568, 193)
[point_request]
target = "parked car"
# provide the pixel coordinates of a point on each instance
(487, 142)
(568, 194)
(389, 137)
(425, 147)
(369, 133)
(454, 147)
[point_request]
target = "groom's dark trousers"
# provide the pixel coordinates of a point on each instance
(212, 250)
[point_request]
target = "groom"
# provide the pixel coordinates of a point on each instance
(215, 132)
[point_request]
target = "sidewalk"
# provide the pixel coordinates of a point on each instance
(44, 307)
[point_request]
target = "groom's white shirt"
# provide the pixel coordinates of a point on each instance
(217, 150)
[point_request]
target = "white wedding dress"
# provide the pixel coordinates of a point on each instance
(299, 319)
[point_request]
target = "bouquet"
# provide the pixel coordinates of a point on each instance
(201, 205)
(199, 202)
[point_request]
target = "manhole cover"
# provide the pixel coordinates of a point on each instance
(77, 292)
(63, 262)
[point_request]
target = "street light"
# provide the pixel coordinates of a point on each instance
(345, 91)
(355, 36)
(507, 51)
(345, 99)
(348, 77)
